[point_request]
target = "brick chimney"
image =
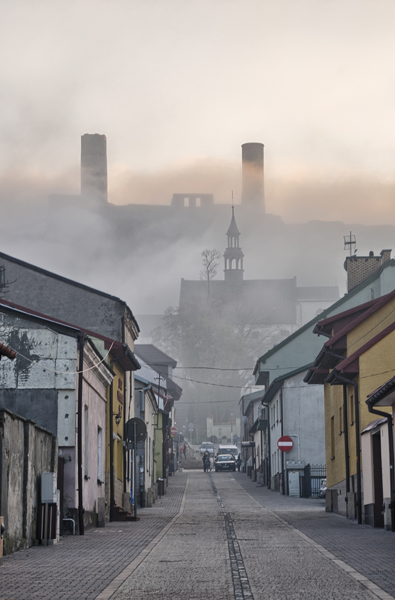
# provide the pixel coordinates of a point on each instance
(360, 268)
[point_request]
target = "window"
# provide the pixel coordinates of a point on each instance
(340, 420)
(332, 438)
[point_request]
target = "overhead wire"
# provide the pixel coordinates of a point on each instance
(45, 368)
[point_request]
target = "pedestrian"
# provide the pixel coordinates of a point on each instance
(185, 450)
(181, 451)
(238, 462)
(206, 461)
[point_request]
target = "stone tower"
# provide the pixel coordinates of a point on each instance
(94, 168)
(233, 254)
(252, 176)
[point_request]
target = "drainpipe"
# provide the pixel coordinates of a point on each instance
(124, 449)
(124, 432)
(144, 457)
(81, 343)
(111, 433)
(285, 482)
(268, 442)
(357, 443)
(345, 428)
(111, 410)
(391, 456)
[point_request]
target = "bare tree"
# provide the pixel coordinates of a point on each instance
(210, 262)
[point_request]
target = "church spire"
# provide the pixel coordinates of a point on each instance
(233, 255)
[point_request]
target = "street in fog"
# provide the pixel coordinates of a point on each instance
(213, 535)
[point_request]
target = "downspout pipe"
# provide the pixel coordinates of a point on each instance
(144, 457)
(81, 344)
(269, 475)
(357, 443)
(111, 434)
(345, 431)
(391, 457)
(111, 410)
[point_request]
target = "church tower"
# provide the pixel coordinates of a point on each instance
(233, 254)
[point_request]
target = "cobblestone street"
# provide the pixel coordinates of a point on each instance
(213, 535)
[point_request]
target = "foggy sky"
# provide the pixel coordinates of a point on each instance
(177, 86)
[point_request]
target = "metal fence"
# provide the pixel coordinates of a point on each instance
(313, 475)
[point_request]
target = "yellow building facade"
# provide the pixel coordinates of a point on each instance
(356, 360)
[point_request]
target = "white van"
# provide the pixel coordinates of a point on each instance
(228, 449)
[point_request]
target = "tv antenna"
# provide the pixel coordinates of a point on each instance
(351, 241)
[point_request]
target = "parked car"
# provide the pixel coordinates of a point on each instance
(209, 446)
(225, 462)
(322, 490)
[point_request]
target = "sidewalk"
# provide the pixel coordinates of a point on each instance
(80, 567)
(370, 551)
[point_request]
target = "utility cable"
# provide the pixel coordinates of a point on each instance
(36, 363)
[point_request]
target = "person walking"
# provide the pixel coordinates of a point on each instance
(238, 462)
(206, 461)
(185, 450)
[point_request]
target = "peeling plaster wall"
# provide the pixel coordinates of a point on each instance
(41, 376)
(26, 451)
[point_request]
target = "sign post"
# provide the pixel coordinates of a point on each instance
(136, 431)
(285, 443)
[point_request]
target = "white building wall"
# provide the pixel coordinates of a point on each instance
(275, 434)
(304, 418)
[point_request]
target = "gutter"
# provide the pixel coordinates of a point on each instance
(111, 409)
(81, 510)
(391, 457)
(345, 431)
(285, 482)
(269, 464)
(357, 443)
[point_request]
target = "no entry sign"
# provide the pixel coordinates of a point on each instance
(285, 443)
(173, 431)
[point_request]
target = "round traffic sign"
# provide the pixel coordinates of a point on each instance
(136, 430)
(285, 443)
(173, 431)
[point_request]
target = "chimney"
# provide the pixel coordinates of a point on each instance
(94, 167)
(252, 175)
(360, 268)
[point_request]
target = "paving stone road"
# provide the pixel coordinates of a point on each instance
(212, 536)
